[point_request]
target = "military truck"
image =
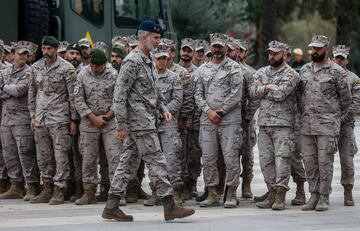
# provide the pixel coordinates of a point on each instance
(72, 19)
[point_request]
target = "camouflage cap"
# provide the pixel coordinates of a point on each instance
(133, 40)
(207, 51)
(200, 44)
(32, 48)
(1, 45)
(170, 43)
(161, 50)
(62, 46)
(277, 46)
(7, 48)
(341, 50)
(288, 49)
(121, 40)
(84, 42)
(101, 45)
(233, 43)
(218, 38)
(187, 42)
(243, 44)
(21, 46)
(319, 41)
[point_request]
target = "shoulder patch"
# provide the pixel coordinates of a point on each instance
(357, 82)
(72, 71)
(290, 74)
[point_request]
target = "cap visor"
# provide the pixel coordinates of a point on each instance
(191, 48)
(316, 45)
(199, 48)
(231, 46)
(273, 49)
(340, 54)
(162, 54)
(22, 51)
(217, 43)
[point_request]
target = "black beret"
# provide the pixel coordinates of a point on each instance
(75, 47)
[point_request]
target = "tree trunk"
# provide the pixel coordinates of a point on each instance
(344, 14)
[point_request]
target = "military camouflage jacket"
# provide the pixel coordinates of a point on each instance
(170, 86)
(94, 94)
(15, 84)
(354, 109)
(325, 97)
(219, 87)
(136, 98)
(51, 99)
(277, 108)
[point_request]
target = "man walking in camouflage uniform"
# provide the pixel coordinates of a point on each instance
(136, 102)
(17, 138)
(53, 119)
(275, 86)
(326, 98)
(218, 94)
(347, 143)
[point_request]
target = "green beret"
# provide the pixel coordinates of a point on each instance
(121, 51)
(97, 57)
(50, 40)
(74, 47)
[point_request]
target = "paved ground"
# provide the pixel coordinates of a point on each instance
(19, 215)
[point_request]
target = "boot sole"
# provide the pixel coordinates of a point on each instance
(297, 203)
(229, 206)
(211, 205)
(107, 216)
(169, 218)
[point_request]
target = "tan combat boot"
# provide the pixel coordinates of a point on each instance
(15, 192)
(171, 211)
(4, 185)
(269, 201)
(178, 194)
(32, 190)
(279, 203)
(212, 198)
(112, 211)
(58, 196)
(323, 203)
(246, 188)
(348, 198)
(314, 199)
(89, 195)
(153, 199)
(300, 198)
(231, 200)
(79, 190)
(46, 193)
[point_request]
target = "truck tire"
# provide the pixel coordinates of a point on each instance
(34, 20)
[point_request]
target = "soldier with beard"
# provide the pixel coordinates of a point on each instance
(275, 85)
(85, 45)
(118, 54)
(326, 98)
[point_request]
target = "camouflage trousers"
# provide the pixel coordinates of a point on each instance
(53, 143)
(191, 155)
(89, 146)
(246, 151)
(226, 138)
(297, 165)
(137, 146)
(318, 155)
(276, 147)
(75, 160)
(3, 172)
(347, 150)
(19, 153)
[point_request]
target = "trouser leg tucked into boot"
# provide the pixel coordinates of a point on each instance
(58, 196)
(279, 203)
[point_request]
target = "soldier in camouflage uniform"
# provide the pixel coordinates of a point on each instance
(32, 53)
(347, 143)
(19, 145)
(85, 45)
(62, 48)
(93, 94)
(218, 94)
(136, 102)
(170, 86)
(118, 54)
(325, 99)
(53, 119)
(199, 52)
(275, 85)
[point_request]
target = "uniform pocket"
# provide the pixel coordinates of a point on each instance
(332, 145)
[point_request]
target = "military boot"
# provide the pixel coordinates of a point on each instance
(269, 201)
(314, 199)
(104, 189)
(32, 190)
(46, 193)
(15, 191)
(323, 203)
(348, 198)
(231, 200)
(203, 196)
(178, 191)
(70, 190)
(212, 198)
(279, 203)
(171, 211)
(153, 199)
(58, 196)
(132, 192)
(142, 195)
(79, 190)
(261, 198)
(89, 195)
(4, 185)
(246, 188)
(112, 211)
(300, 198)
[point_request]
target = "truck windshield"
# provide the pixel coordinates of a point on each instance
(91, 10)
